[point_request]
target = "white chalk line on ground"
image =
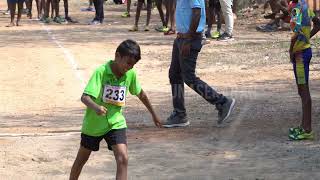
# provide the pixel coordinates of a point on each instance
(68, 55)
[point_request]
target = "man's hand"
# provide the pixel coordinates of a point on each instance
(101, 110)
(157, 121)
(185, 48)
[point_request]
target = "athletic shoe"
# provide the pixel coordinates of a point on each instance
(57, 19)
(146, 28)
(225, 37)
(176, 120)
(134, 28)
(6, 12)
(95, 23)
(162, 29)
(215, 35)
(69, 20)
(225, 109)
(45, 20)
(295, 130)
(125, 15)
(302, 135)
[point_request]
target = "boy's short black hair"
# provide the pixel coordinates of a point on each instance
(129, 48)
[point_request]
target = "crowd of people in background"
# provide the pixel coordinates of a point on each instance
(217, 11)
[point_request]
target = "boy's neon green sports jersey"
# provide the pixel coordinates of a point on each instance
(109, 92)
(303, 30)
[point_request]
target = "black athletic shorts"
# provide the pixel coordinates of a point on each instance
(113, 137)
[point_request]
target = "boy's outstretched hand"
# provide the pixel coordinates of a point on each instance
(144, 99)
(157, 121)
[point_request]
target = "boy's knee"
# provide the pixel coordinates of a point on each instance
(122, 159)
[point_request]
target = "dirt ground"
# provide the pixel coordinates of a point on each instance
(44, 68)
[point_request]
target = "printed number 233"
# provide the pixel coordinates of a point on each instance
(115, 95)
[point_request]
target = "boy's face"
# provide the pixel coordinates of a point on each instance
(124, 63)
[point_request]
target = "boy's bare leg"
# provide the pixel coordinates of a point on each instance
(29, 7)
(306, 107)
(47, 8)
(166, 5)
(159, 7)
(172, 7)
(210, 15)
(66, 8)
(20, 7)
(38, 8)
(149, 7)
(128, 6)
(56, 7)
(66, 11)
(42, 5)
(12, 8)
(81, 159)
(121, 155)
(139, 7)
(52, 9)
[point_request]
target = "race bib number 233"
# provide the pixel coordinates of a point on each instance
(115, 95)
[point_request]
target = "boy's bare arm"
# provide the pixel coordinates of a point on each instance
(316, 26)
(144, 99)
(100, 110)
(293, 41)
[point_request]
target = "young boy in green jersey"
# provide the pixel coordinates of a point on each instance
(300, 56)
(104, 96)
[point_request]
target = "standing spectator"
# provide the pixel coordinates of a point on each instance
(214, 13)
(127, 13)
(191, 20)
(98, 19)
(66, 12)
(139, 7)
(226, 7)
(170, 16)
(164, 27)
(12, 7)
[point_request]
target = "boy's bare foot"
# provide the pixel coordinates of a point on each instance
(10, 24)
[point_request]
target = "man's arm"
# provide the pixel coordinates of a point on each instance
(195, 19)
(100, 110)
(144, 99)
(196, 15)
